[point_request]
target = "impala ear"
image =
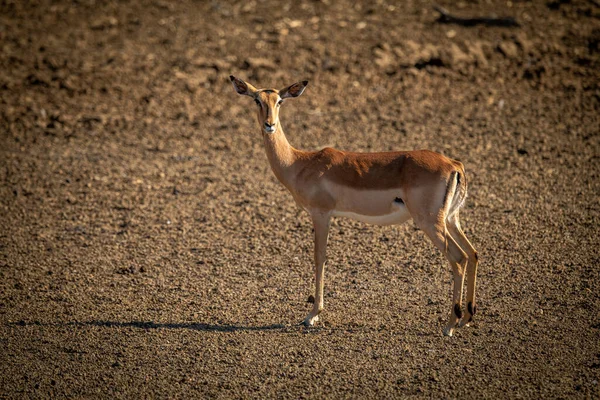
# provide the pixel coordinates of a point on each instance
(293, 91)
(242, 87)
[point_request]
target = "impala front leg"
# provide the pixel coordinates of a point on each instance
(321, 226)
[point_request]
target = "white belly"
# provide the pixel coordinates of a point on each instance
(398, 216)
(376, 206)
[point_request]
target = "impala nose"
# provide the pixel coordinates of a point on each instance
(269, 128)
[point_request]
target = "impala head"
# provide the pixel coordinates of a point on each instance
(268, 101)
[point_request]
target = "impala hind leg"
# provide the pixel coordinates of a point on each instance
(321, 226)
(457, 258)
(458, 235)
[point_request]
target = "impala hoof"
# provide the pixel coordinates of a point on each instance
(310, 321)
(448, 331)
(465, 321)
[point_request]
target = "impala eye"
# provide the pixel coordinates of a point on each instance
(257, 101)
(280, 102)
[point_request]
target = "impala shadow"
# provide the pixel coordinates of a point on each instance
(192, 326)
(155, 325)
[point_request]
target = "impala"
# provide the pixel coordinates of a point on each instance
(380, 188)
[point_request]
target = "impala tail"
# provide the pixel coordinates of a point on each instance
(457, 191)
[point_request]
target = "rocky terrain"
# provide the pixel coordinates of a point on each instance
(147, 250)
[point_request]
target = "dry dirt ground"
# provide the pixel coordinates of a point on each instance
(147, 250)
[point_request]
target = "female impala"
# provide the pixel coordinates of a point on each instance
(379, 188)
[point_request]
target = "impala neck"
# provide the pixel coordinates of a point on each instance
(279, 152)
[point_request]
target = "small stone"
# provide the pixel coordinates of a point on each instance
(454, 57)
(477, 52)
(258, 63)
(384, 59)
(509, 49)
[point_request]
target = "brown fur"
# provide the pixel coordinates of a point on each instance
(378, 170)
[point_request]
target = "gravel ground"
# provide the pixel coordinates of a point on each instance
(147, 250)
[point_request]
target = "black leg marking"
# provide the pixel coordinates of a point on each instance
(471, 308)
(457, 311)
(311, 299)
(476, 256)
